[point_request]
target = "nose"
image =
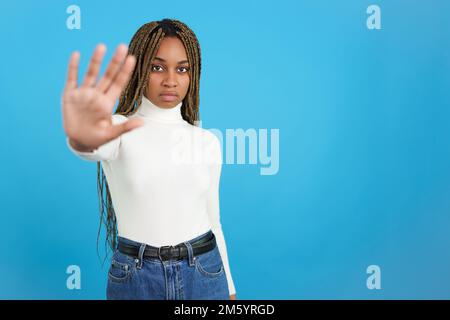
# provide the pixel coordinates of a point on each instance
(170, 80)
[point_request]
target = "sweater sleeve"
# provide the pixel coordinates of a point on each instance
(213, 208)
(107, 151)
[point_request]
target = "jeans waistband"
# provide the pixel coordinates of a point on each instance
(205, 235)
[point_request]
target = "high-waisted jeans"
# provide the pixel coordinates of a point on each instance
(192, 278)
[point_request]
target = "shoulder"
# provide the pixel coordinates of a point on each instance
(208, 137)
(210, 141)
(212, 146)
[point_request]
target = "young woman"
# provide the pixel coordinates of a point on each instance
(161, 170)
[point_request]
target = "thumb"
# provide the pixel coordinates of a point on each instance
(119, 129)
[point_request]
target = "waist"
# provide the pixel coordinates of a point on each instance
(201, 244)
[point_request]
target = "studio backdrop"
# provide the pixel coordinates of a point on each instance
(335, 125)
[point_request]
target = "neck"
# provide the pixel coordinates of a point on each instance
(148, 109)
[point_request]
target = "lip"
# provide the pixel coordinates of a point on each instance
(169, 93)
(168, 96)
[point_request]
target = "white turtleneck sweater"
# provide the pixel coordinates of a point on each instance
(164, 179)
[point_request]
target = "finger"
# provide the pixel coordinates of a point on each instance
(122, 78)
(72, 74)
(119, 129)
(113, 67)
(94, 66)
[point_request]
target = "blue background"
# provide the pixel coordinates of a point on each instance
(363, 114)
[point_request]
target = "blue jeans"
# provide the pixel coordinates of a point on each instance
(192, 278)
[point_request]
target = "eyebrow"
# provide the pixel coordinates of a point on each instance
(179, 62)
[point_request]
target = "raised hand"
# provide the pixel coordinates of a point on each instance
(87, 109)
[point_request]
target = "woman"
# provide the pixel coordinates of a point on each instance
(164, 195)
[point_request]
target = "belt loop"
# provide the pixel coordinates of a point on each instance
(191, 257)
(141, 255)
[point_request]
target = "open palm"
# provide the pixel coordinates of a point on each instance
(87, 109)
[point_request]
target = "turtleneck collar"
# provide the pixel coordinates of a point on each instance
(150, 110)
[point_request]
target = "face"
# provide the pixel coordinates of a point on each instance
(168, 81)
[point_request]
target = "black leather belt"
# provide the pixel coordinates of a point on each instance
(180, 251)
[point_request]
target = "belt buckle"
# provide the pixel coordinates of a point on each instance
(171, 247)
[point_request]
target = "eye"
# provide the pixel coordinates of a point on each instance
(156, 66)
(185, 68)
